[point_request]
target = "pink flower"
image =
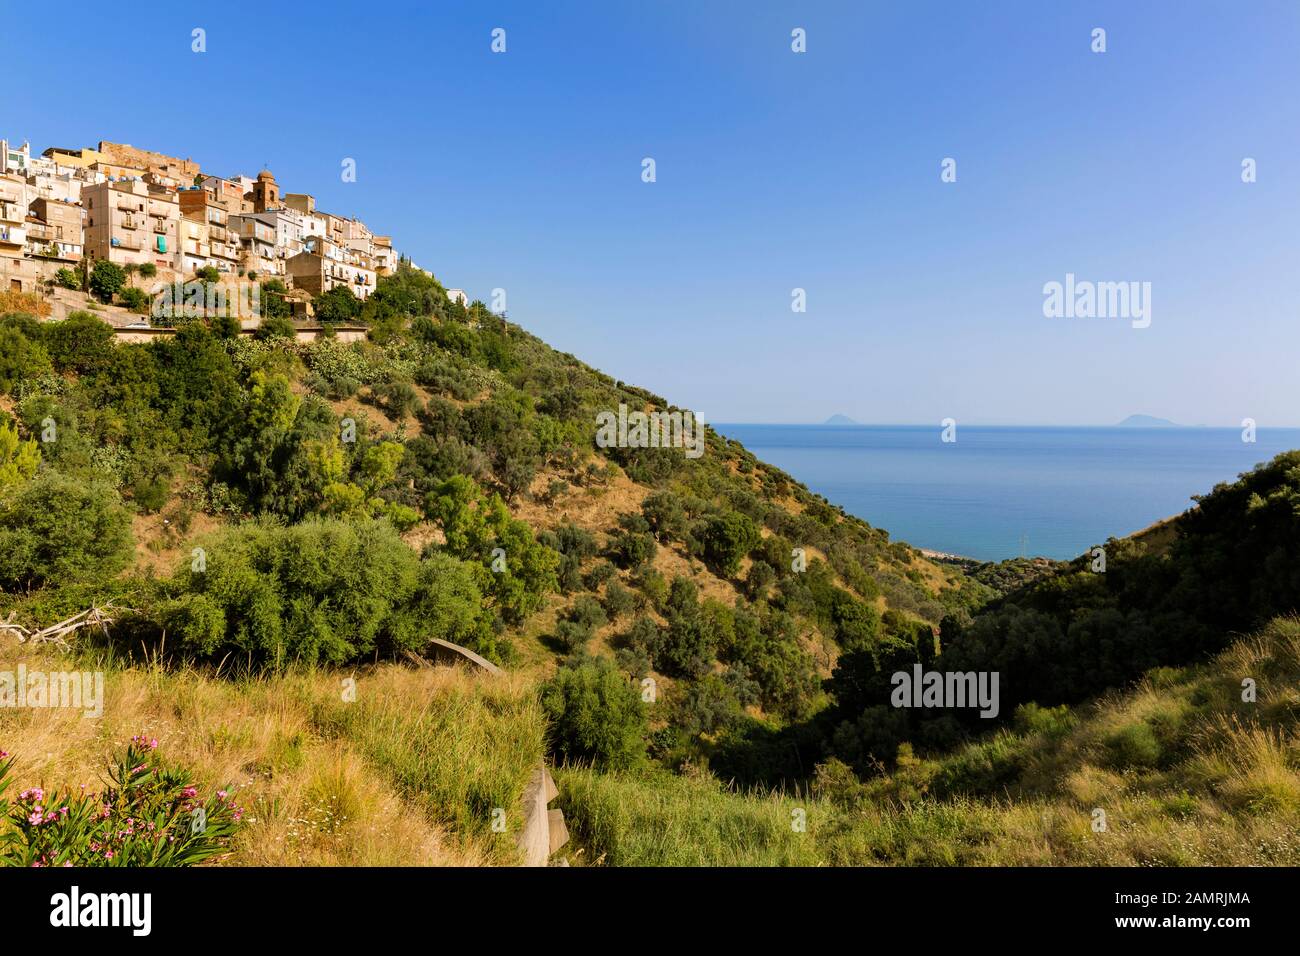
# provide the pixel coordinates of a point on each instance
(35, 793)
(36, 818)
(3, 754)
(108, 854)
(189, 792)
(221, 794)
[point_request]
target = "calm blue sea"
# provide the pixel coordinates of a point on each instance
(998, 492)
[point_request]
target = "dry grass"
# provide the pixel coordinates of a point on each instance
(388, 779)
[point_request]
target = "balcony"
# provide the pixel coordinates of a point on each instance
(127, 243)
(130, 222)
(160, 226)
(12, 212)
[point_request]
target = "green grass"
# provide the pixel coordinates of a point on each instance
(1180, 769)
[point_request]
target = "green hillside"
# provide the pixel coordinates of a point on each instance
(705, 644)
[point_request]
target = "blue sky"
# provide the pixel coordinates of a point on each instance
(775, 170)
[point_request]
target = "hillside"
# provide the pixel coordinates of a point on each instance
(266, 520)
(1178, 771)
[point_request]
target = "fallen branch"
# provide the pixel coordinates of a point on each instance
(94, 617)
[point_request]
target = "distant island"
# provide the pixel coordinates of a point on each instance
(1150, 421)
(839, 420)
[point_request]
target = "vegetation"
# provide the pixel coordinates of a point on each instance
(703, 645)
(148, 815)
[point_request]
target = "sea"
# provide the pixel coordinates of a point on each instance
(1000, 492)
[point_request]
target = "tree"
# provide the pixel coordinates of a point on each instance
(595, 715)
(408, 291)
(336, 306)
(663, 511)
(106, 278)
(80, 343)
(18, 459)
(20, 358)
(67, 279)
(519, 570)
(726, 539)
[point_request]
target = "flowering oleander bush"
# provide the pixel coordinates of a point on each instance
(147, 815)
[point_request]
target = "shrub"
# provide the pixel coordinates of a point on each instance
(275, 327)
(21, 359)
(67, 279)
(225, 326)
(137, 300)
(148, 815)
(55, 528)
(595, 715)
(323, 590)
(618, 600)
(398, 399)
(664, 515)
(726, 539)
(18, 459)
(632, 550)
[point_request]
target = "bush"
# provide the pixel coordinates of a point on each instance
(324, 590)
(618, 600)
(18, 459)
(137, 300)
(225, 326)
(398, 399)
(67, 279)
(21, 359)
(275, 327)
(595, 715)
(632, 550)
(149, 270)
(148, 815)
(664, 515)
(57, 529)
(726, 539)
